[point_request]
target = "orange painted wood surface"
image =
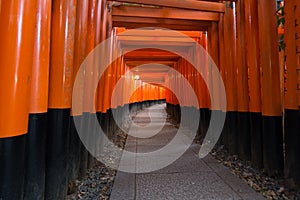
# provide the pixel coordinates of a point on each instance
(291, 81)
(297, 18)
(165, 13)
(269, 60)
(229, 67)
(240, 60)
(252, 55)
(41, 59)
(62, 53)
(185, 4)
(80, 51)
(17, 19)
(90, 69)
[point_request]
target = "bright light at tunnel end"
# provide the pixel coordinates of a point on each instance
(98, 144)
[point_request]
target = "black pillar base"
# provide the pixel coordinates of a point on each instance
(56, 153)
(292, 148)
(83, 150)
(113, 124)
(232, 138)
(204, 120)
(224, 134)
(256, 139)
(104, 121)
(91, 141)
(272, 145)
(109, 122)
(168, 108)
(73, 153)
(177, 113)
(36, 157)
(244, 140)
(12, 165)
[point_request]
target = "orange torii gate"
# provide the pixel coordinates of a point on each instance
(42, 49)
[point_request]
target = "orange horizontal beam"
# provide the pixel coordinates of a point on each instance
(153, 80)
(164, 13)
(130, 25)
(161, 33)
(158, 22)
(185, 4)
(154, 54)
(148, 53)
(149, 61)
(135, 40)
(177, 45)
(142, 42)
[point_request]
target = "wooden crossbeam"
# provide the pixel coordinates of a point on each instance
(149, 61)
(160, 34)
(153, 53)
(160, 21)
(167, 26)
(164, 13)
(128, 48)
(140, 22)
(183, 4)
(155, 41)
(148, 51)
(145, 58)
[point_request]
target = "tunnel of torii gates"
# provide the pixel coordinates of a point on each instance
(44, 42)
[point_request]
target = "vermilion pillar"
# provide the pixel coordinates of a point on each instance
(222, 68)
(90, 44)
(230, 128)
(37, 131)
(297, 19)
(17, 21)
(213, 50)
(16, 60)
(60, 88)
(254, 84)
(244, 146)
(91, 74)
(270, 88)
(80, 52)
(292, 119)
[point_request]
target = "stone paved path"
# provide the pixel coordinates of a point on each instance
(186, 178)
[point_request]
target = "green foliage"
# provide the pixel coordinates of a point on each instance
(280, 22)
(281, 42)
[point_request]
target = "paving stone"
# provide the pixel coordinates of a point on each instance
(187, 178)
(124, 186)
(199, 185)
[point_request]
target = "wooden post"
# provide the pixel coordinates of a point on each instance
(222, 68)
(230, 80)
(244, 146)
(252, 63)
(270, 88)
(80, 51)
(213, 50)
(17, 22)
(60, 88)
(297, 20)
(292, 120)
(37, 129)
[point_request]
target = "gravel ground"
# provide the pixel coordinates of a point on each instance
(96, 185)
(271, 188)
(99, 180)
